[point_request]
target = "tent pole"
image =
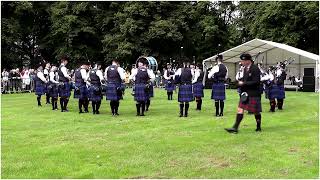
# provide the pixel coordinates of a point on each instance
(300, 65)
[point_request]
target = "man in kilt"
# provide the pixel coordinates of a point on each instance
(271, 90)
(114, 75)
(40, 84)
(142, 77)
(280, 77)
(46, 72)
(80, 86)
(184, 78)
(168, 76)
(53, 87)
(95, 90)
(64, 85)
(198, 86)
(219, 74)
(250, 99)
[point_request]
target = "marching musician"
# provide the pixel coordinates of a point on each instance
(40, 84)
(280, 77)
(168, 76)
(250, 99)
(95, 90)
(198, 85)
(141, 76)
(219, 74)
(46, 72)
(64, 85)
(184, 76)
(53, 84)
(114, 75)
(81, 90)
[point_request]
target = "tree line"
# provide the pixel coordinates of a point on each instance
(32, 32)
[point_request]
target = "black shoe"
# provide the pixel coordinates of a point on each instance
(231, 130)
(186, 115)
(117, 114)
(221, 114)
(86, 111)
(180, 115)
(80, 112)
(97, 112)
(271, 110)
(142, 115)
(258, 130)
(39, 105)
(217, 115)
(147, 109)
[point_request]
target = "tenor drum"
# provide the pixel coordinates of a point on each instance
(153, 64)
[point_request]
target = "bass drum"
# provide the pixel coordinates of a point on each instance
(153, 64)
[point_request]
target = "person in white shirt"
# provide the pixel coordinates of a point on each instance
(46, 72)
(198, 85)
(141, 76)
(95, 90)
(114, 74)
(81, 90)
(53, 87)
(64, 85)
(169, 84)
(40, 81)
(219, 74)
(185, 94)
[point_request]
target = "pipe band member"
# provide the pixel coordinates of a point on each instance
(219, 74)
(198, 85)
(169, 83)
(64, 85)
(95, 90)
(46, 72)
(114, 74)
(141, 76)
(184, 78)
(80, 86)
(250, 99)
(40, 84)
(53, 87)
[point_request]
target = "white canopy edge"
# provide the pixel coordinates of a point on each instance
(262, 46)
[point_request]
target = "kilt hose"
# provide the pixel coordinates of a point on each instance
(185, 93)
(218, 91)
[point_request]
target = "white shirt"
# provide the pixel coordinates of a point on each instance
(215, 69)
(51, 77)
(46, 71)
(196, 75)
(64, 72)
(120, 71)
(278, 72)
(165, 75)
(84, 74)
(135, 72)
(41, 76)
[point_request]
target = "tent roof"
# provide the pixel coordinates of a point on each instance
(257, 45)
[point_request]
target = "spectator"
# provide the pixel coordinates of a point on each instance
(5, 80)
(158, 78)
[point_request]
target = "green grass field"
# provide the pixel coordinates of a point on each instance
(40, 143)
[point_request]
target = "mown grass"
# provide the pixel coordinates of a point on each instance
(41, 143)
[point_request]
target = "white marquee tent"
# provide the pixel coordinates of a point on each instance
(270, 54)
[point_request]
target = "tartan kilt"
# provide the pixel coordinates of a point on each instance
(151, 93)
(253, 105)
(218, 91)
(170, 87)
(65, 90)
(185, 93)
(83, 91)
(139, 92)
(198, 89)
(93, 95)
(273, 91)
(281, 94)
(53, 92)
(111, 92)
(40, 88)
